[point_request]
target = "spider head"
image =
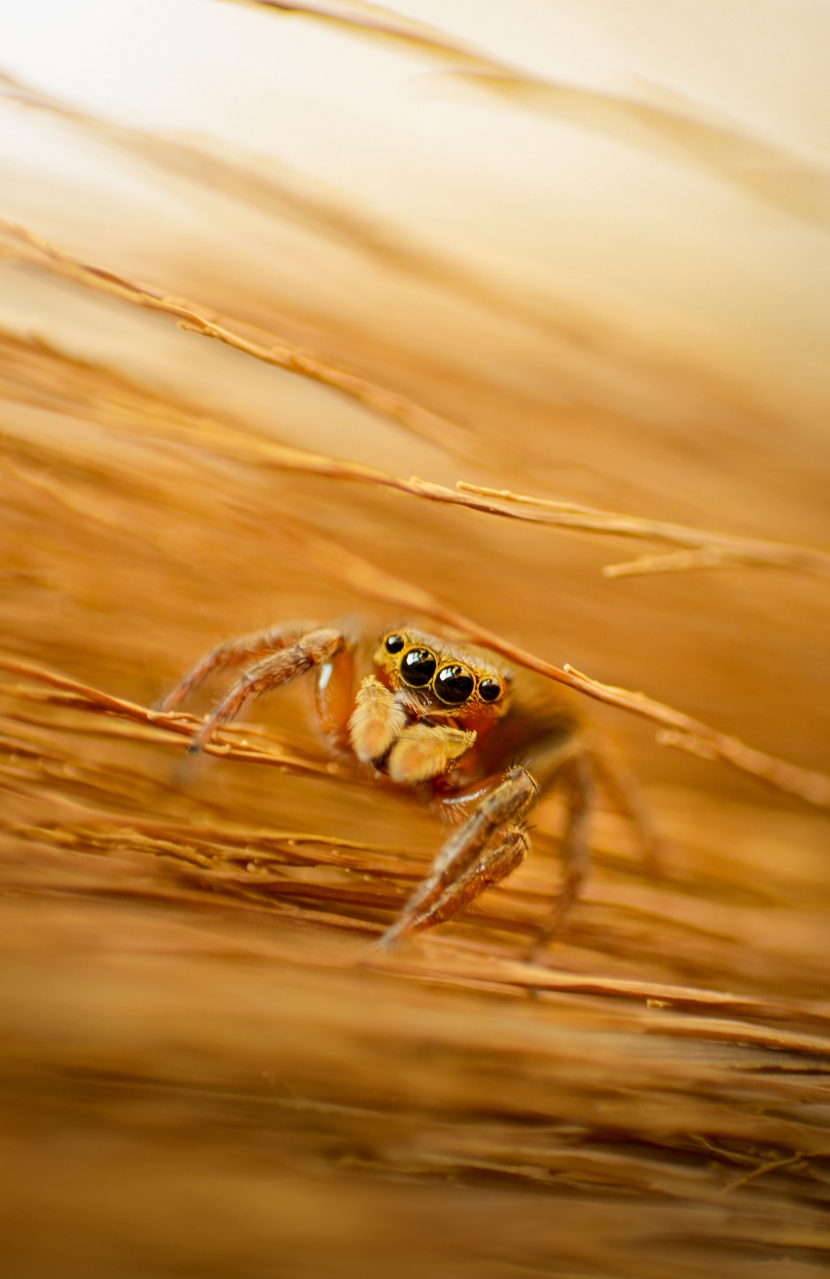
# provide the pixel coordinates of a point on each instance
(442, 678)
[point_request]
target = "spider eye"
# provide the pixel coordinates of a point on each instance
(394, 643)
(489, 689)
(418, 667)
(454, 684)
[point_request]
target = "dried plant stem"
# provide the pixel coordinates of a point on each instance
(702, 549)
(378, 21)
(405, 412)
(240, 858)
(641, 118)
(152, 725)
(708, 550)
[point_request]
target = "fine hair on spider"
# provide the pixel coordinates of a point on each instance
(448, 719)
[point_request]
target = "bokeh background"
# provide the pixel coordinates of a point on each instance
(576, 251)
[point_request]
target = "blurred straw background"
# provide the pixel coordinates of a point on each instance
(574, 251)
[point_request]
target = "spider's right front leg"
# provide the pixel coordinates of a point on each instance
(482, 852)
(314, 649)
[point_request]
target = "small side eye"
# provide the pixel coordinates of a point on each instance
(489, 689)
(394, 643)
(454, 684)
(418, 667)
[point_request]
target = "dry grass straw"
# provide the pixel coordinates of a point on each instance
(204, 1070)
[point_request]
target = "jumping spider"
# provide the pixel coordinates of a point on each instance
(449, 719)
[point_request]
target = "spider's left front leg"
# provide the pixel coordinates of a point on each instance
(490, 844)
(318, 649)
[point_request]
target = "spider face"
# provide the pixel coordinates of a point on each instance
(445, 678)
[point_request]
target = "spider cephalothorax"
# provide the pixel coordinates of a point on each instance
(425, 707)
(441, 716)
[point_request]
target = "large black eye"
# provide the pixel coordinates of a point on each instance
(394, 643)
(454, 684)
(418, 667)
(489, 689)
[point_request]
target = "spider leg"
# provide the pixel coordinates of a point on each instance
(279, 668)
(492, 841)
(234, 653)
(577, 773)
(624, 792)
(482, 851)
(492, 865)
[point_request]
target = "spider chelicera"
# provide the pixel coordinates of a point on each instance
(449, 719)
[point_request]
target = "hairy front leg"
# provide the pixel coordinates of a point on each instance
(233, 653)
(490, 868)
(482, 851)
(280, 668)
